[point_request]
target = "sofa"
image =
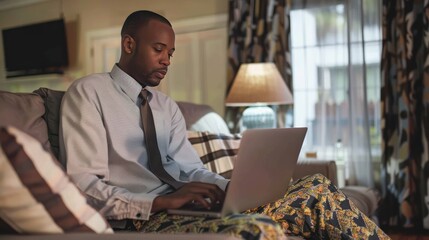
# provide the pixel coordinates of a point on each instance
(37, 114)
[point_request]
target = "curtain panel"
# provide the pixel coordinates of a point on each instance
(405, 113)
(258, 32)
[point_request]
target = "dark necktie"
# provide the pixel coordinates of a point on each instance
(155, 160)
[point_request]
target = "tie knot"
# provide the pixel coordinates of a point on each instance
(144, 94)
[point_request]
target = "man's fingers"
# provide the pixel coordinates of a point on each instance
(210, 187)
(198, 199)
(204, 194)
(208, 190)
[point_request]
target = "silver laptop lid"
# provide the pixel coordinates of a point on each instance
(263, 169)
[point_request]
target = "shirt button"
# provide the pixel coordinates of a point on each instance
(139, 215)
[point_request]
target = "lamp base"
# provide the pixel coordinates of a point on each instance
(258, 117)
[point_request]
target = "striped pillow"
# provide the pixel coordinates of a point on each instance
(36, 195)
(216, 150)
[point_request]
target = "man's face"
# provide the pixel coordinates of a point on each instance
(151, 56)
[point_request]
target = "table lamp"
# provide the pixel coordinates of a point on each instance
(256, 86)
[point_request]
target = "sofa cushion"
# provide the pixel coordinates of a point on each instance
(52, 100)
(216, 150)
(36, 195)
(24, 111)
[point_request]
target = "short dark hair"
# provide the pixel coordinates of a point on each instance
(138, 19)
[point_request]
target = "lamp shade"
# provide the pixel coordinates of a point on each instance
(258, 83)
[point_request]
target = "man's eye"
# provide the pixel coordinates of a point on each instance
(158, 49)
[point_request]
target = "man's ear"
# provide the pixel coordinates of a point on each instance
(128, 44)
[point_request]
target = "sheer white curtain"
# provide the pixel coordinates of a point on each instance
(336, 49)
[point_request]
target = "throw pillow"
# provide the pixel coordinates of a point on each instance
(36, 195)
(216, 150)
(202, 117)
(52, 100)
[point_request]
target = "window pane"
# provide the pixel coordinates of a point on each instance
(326, 79)
(318, 26)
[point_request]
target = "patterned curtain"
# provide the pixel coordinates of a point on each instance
(258, 32)
(405, 113)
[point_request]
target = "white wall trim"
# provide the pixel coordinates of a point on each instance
(179, 26)
(9, 4)
(200, 23)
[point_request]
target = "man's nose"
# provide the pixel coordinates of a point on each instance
(165, 60)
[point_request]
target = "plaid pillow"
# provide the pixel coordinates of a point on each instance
(36, 195)
(216, 150)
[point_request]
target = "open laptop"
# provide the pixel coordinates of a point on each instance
(262, 171)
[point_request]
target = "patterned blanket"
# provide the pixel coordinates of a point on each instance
(217, 151)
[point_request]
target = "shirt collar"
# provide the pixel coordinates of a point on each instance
(128, 84)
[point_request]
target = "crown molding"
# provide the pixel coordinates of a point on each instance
(10, 4)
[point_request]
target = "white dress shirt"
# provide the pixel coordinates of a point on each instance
(102, 143)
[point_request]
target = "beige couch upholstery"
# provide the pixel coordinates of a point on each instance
(38, 115)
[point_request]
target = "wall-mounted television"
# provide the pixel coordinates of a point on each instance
(35, 49)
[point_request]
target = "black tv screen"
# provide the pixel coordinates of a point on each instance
(35, 49)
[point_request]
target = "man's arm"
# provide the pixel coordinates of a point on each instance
(203, 184)
(114, 202)
(182, 152)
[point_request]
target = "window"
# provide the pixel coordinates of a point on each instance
(336, 76)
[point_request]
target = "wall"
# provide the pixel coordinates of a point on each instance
(83, 16)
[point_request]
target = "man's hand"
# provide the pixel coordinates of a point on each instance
(197, 192)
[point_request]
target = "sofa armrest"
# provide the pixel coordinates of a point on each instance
(366, 199)
(328, 168)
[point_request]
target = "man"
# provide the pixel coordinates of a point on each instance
(107, 147)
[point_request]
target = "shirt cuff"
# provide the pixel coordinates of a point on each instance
(141, 208)
(222, 183)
